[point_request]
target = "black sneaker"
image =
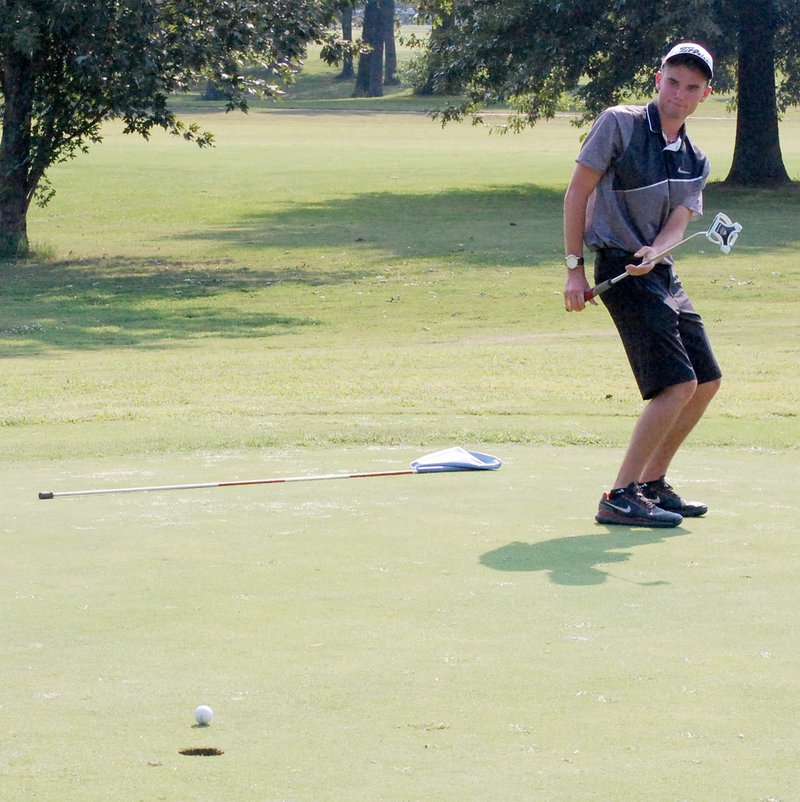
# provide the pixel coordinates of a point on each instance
(627, 506)
(662, 494)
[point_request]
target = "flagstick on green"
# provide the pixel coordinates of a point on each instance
(447, 460)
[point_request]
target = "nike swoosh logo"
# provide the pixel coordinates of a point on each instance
(684, 172)
(616, 507)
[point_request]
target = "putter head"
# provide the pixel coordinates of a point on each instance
(723, 232)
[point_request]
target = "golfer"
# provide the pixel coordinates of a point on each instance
(637, 183)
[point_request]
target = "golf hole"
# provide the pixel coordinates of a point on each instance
(205, 751)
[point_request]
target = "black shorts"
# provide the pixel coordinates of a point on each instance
(663, 336)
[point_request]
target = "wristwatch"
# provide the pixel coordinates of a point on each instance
(574, 261)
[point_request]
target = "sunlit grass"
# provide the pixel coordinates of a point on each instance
(360, 277)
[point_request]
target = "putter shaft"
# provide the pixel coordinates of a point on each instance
(604, 285)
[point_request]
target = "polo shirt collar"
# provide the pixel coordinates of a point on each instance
(654, 120)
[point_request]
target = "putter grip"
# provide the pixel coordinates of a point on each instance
(594, 291)
(46, 495)
(604, 285)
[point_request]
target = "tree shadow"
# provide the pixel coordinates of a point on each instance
(133, 303)
(90, 304)
(576, 560)
(494, 224)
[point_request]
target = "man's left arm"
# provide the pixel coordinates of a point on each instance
(671, 234)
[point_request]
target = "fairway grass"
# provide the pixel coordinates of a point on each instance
(357, 278)
(445, 637)
(346, 291)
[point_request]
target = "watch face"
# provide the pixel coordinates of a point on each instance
(572, 261)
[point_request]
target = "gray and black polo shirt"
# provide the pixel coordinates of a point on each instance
(644, 178)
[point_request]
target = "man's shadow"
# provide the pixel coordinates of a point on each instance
(575, 560)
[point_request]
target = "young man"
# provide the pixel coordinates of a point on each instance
(637, 184)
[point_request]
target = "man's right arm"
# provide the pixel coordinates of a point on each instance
(581, 185)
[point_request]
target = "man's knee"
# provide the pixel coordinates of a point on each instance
(709, 389)
(681, 393)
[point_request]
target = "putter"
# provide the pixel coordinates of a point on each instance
(722, 231)
(448, 460)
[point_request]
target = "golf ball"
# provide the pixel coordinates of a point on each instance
(203, 715)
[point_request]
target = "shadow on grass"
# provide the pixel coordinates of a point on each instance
(502, 226)
(576, 560)
(487, 226)
(124, 302)
(103, 303)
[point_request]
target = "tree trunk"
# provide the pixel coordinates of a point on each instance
(347, 73)
(213, 92)
(757, 157)
(390, 49)
(369, 79)
(15, 154)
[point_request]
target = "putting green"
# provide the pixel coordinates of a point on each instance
(466, 636)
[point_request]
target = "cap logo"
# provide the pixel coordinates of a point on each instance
(694, 50)
(691, 51)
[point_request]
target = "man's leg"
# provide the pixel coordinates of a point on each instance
(660, 416)
(661, 457)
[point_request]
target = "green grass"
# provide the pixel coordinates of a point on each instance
(345, 291)
(463, 637)
(196, 297)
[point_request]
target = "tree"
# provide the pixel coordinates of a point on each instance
(379, 48)
(757, 158)
(534, 53)
(69, 66)
(429, 72)
(369, 77)
(389, 46)
(346, 15)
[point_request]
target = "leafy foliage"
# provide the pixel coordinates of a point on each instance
(535, 51)
(534, 54)
(69, 65)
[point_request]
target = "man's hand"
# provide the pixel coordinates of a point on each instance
(644, 253)
(575, 292)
